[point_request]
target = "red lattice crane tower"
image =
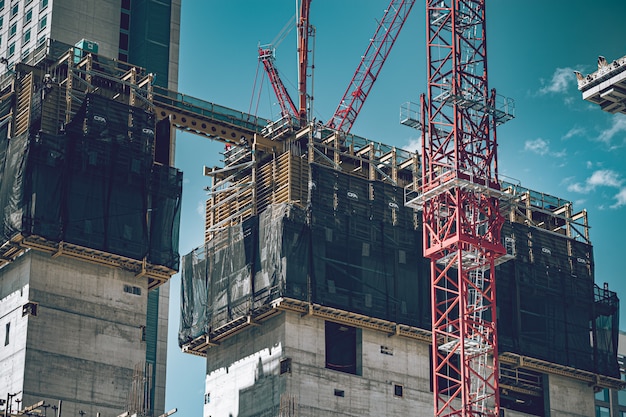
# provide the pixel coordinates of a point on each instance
(460, 198)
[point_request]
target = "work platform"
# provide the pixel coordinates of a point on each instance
(606, 86)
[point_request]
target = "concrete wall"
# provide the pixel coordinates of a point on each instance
(244, 379)
(570, 398)
(14, 293)
(243, 373)
(161, 362)
(86, 339)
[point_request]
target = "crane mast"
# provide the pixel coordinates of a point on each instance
(459, 197)
(304, 31)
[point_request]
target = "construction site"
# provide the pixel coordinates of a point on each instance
(339, 276)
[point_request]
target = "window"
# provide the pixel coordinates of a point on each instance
(343, 348)
(207, 398)
(603, 395)
(132, 289)
(25, 53)
(12, 30)
(28, 17)
(126, 4)
(43, 22)
(12, 49)
(602, 411)
(27, 36)
(123, 41)
(398, 390)
(43, 4)
(285, 366)
(14, 10)
(124, 21)
(339, 393)
(41, 40)
(29, 309)
(6, 335)
(1, 21)
(1, 4)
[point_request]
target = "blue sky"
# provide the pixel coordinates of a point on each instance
(557, 144)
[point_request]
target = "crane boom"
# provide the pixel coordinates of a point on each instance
(371, 63)
(287, 106)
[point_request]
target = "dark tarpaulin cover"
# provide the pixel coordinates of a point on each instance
(365, 255)
(193, 296)
(279, 254)
(93, 186)
(12, 185)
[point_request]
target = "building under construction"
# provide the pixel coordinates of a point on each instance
(319, 289)
(312, 275)
(311, 294)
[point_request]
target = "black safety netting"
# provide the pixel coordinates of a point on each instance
(347, 251)
(546, 304)
(356, 247)
(95, 185)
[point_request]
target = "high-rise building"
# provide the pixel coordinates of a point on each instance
(143, 32)
(92, 336)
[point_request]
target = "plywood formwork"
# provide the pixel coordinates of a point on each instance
(253, 178)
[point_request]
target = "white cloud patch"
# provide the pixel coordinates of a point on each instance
(617, 130)
(574, 132)
(538, 146)
(542, 147)
(562, 79)
(200, 208)
(620, 199)
(414, 145)
(605, 178)
(600, 178)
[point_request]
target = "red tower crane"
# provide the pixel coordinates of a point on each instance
(363, 79)
(460, 199)
(305, 30)
(371, 63)
(287, 106)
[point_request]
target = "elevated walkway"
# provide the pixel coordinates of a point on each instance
(205, 118)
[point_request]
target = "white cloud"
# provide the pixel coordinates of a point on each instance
(414, 145)
(617, 128)
(200, 208)
(604, 177)
(621, 199)
(561, 80)
(600, 178)
(575, 131)
(538, 146)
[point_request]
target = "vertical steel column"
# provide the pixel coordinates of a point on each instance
(462, 222)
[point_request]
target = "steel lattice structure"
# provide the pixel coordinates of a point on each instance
(287, 106)
(460, 202)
